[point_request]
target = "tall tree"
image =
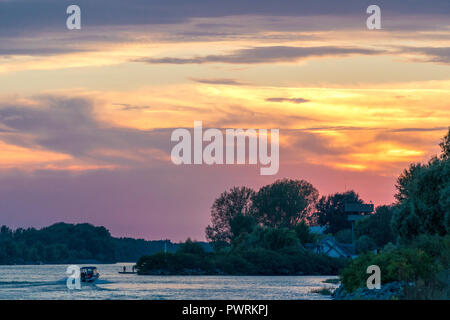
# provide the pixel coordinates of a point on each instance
(404, 181)
(330, 211)
(423, 197)
(231, 204)
(284, 203)
(445, 146)
(424, 202)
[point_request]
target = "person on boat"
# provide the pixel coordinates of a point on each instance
(124, 269)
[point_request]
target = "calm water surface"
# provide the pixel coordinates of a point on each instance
(49, 282)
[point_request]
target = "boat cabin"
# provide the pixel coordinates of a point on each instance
(89, 274)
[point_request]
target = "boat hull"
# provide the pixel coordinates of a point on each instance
(91, 279)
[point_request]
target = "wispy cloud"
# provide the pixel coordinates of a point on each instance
(291, 100)
(126, 107)
(419, 129)
(269, 54)
(232, 82)
(430, 54)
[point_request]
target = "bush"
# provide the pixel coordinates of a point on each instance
(191, 247)
(303, 233)
(257, 261)
(364, 244)
(425, 259)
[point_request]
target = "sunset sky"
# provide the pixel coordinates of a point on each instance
(86, 115)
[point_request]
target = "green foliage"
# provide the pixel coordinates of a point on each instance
(241, 224)
(69, 243)
(424, 259)
(420, 220)
(377, 226)
(447, 222)
(284, 203)
(262, 233)
(236, 214)
(445, 204)
(173, 263)
(364, 244)
(423, 193)
(259, 251)
(277, 239)
(231, 264)
(330, 211)
(191, 247)
(267, 238)
(303, 233)
(255, 261)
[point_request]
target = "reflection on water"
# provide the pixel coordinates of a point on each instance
(49, 282)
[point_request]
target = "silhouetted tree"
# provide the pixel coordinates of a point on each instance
(229, 205)
(190, 246)
(60, 242)
(424, 203)
(241, 224)
(284, 203)
(330, 211)
(423, 194)
(404, 180)
(445, 146)
(268, 238)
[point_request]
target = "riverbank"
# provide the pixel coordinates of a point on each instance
(389, 291)
(199, 272)
(252, 262)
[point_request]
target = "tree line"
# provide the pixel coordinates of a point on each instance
(73, 243)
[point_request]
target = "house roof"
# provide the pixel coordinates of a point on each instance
(346, 250)
(317, 229)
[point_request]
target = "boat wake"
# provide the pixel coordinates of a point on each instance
(30, 283)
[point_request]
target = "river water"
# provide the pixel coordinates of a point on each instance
(49, 282)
